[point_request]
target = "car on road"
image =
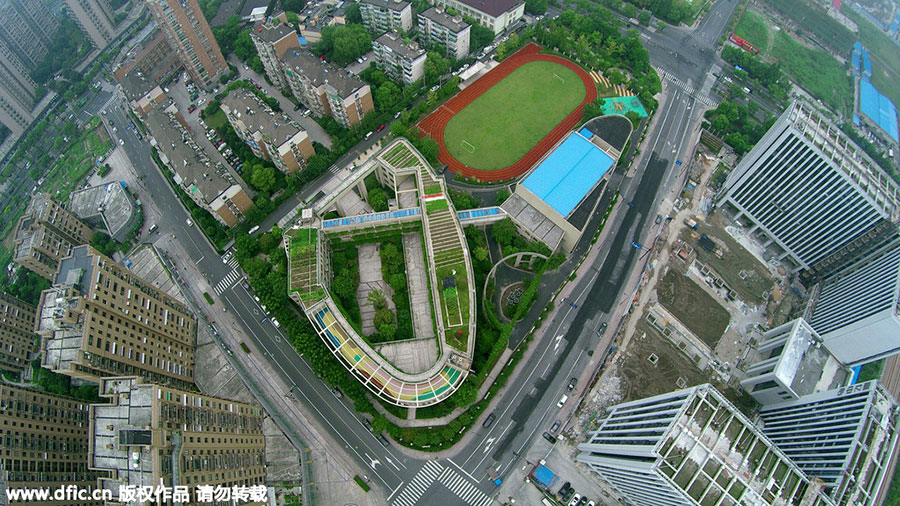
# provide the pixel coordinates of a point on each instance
(275, 322)
(121, 142)
(359, 60)
(383, 440)
(152, 228)
(369, 135)
(337, 392)
(398, 114)
(549, 437)
(575, 499)
(602, 329)
(189, 222)
(201, 101)
(572, 383)
(297, 107)
(380, 127)
(562, 401)
(368, 424)
(488, 421)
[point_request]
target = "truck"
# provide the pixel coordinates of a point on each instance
(691, 223)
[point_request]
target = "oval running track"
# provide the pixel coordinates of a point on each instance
(435, 123)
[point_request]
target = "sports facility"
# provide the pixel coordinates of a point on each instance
(502, 124)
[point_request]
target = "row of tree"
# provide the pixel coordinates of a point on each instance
(736, 124)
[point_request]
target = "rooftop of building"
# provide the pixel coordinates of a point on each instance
(440, 16)
(319, 73)
(397, 5)
(272, 31)
(136, 86)
(803, 362)
(38, 204)
(394, 42)
(189, 161)
(878, 108)
(492, 7)
(107, 203)
(258, 117)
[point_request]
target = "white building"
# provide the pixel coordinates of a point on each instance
(807, 192)
(793, 363)
(390, 15)
(497, 15)
(856, 309)
(436, 27)
(693, 447)
(400, 61)
(846, 437)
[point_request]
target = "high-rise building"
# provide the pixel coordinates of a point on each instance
(438, 28)
(99, 319)
(95, 20)
(497, 15)
(151, 434)
(855, 310)
(845, 437)
(190, 37)
(272, 39)
(46, 234)
(325, 89)
(26, 29)
(386, 15)
(17, 337)
(150, 56)
(403, 62)
(17, 92)
(793, 363)
(271, 136)
(694, 447)
(807, 192)
(45, 441)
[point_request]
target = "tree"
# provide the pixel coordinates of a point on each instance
(504, 231)
(377, 299)
(397, 281)
(479, 36)
(345, 286)
(228, 34)
(644, 17)
(481, 253)
(429, 149)
(383, 317)
(352, 14)
(536, 7)
(343, 44)
(502, 195)
(244, 47)
(466, 394)
(263, 178)
(294, 5)
(378, 200)
(387, 96)
(435, 66)
(387, 331)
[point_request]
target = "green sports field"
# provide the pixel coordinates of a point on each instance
(501, 125)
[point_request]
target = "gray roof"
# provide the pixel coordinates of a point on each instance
(76, 269)
(321, 73)
(388, 4)
(493, 7)
(393, 42)
(189, 161)
(441, 17)
(270, 32)
(259, 117)
(136, 86)
(108, 205)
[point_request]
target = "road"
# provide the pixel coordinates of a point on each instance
(528, 406)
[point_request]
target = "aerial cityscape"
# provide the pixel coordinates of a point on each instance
(450, 252)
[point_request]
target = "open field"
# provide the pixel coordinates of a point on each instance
(80, 158)
(885, 56)
(504, 123)
(753, 29)
(815, 71)
(693, 307)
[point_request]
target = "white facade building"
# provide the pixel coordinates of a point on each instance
(436, 27)
(386, 15)
(807, 192)
(693, 447)
(497, 15)
(856, 309)
(846, 437)
(793, 363)
(401, 62)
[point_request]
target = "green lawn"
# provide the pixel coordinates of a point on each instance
(753, 29)
(216, 120)
(815, 71)
(500, 126)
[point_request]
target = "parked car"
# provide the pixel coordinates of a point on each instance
(192, 108)
(575, 499)
(380, 127)
(562, 401)
(549, 437)
(383, 440)
(297, 107)
(555, 427)
(602, 329)
(488, 421)
(572, 383)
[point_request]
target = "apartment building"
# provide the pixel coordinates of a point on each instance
(17, 337)
(99, 319)
(793, 363)
(438, 28)
(95, 19)
(497, 15)
(26, 30)
(386, 15)
(855, 310)
(189, 35)
(401, 62)
(46, 234)
(693, 446)
(807, 192)
(149, 56)
(209, 184)
(151, 434)
(45, 442)
(845, 437)
(271, 136)
(272, 39)
(325, 89)
(17, 92)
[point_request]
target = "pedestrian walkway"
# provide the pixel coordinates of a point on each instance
(433, 472)
(419, 484)
(227, 282)
(463, 488)
(690, 90)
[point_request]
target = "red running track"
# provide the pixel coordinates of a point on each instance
(435, 123)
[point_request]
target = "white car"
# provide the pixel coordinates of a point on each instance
(575, 499)
(201, 102)
(189, 222)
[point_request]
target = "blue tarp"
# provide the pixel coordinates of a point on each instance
(302, 40)
(867, 64)
(545, 476)
(878, 108)
(855, 374)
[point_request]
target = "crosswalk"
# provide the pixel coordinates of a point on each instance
(230, 279)
(432, 472)
(690, 90)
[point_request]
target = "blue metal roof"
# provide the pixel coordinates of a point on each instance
(569, 173)
(878, 108)
(544, 476)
